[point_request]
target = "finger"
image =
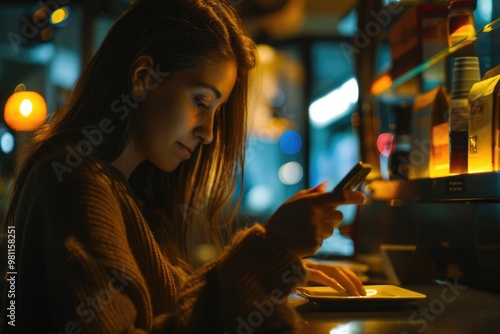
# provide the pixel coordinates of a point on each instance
(320, 188)
(346, 282)
(320, 277)
(347, 279)
(328, 222)
(319, 244)
(355, 280)
(335, 276)
(325, 232)
(326, 229)
(333, 217)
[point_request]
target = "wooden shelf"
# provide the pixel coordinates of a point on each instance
(462, 188)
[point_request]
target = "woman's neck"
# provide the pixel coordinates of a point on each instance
(128, 160)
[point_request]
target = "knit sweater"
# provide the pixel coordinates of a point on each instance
(87, 260)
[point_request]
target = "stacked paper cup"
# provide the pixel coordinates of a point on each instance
(465, 74)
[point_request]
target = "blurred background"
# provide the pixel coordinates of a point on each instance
(294, 142)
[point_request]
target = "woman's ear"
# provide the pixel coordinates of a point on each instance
(144, 77)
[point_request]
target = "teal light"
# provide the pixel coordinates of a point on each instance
(7, 142)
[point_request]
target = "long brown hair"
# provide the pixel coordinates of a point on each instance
(177, 34)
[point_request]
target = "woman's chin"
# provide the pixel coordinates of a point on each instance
(166, 166)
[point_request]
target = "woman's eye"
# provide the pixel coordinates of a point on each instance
(200, 104)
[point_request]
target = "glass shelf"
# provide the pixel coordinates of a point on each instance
(387, 84)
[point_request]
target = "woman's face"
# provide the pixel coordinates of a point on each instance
(178, 115)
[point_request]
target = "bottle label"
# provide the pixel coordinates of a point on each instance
(460, 26)
(459, 133)
(459, 115)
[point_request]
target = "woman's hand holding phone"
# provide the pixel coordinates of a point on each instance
(309, 217)
(354, 177)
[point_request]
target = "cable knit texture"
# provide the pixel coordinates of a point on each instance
(88, 260)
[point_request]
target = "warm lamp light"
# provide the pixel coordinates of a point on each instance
(381, 84)
(25, 111)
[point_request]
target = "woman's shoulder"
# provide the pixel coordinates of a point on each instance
(67, 170)
(71, 165)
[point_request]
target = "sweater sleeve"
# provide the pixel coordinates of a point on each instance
(93, 281)
(245, 290)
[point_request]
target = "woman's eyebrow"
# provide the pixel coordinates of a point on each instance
(209, 86)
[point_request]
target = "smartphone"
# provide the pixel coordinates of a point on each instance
(355, 176)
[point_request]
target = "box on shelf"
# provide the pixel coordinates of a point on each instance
(429, 155)
(419, 34)
(484, 126)
(439, 161)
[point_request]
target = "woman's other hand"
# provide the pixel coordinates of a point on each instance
(309, 217)
(337, 277)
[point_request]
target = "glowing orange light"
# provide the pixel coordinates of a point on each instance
(47, 34)
(381, 84)
(41, 16)
(25, 111)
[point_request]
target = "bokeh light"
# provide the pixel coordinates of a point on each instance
(59, 15)
(7, 142)
(386, 144)
(290, 142)
(291, 173)
(259, 197)
(26, 107)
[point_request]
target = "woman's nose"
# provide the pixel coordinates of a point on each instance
(205, 128)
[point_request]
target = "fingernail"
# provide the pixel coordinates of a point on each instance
(324, 183)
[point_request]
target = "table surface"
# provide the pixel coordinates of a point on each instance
(446, 310)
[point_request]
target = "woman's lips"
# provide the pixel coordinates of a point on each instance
(186, 150)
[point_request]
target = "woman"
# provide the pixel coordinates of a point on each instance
(149, 144)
